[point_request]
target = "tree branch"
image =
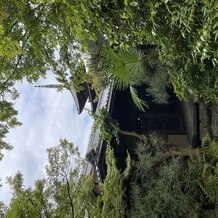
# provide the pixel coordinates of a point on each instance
(179, 152)
(35, 206)
(133, 134)
(184, 152)
(69, 195)
(45, 207)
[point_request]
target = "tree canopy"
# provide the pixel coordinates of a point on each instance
(163, 181)
(65, 192)
(184, 35)
(160, 43)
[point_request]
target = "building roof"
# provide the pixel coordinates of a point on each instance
(80, 98)
(95, 141)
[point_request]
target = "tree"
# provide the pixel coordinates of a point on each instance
(9, 49)
(72, 191)
(7, 120)
(173, 186)
(3, 209)
(167, 180)
(28, 202)
(30, 35)
(184, 37)
(183, 34)
(21, 205)
(63, 169)
(65, 192)
(113, 198)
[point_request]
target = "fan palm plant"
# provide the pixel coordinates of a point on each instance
(130, 68)
(124, 66)
(126, 69)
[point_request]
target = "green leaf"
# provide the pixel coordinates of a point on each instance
(124, 66)
(134, 4)
(140, 104)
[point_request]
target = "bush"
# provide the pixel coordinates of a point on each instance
(176, 186)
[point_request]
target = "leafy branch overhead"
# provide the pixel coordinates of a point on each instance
(161, 44)
(183, 36)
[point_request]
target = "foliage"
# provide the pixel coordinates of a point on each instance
(25, 25)
(113, 198)
(137, 101)
(152, 186)
(97, 66)
(3, 209)
(66, 192)
(63, 170)
(102, 119)
(98, 81)
(184, 39)
(174, 187)
(124, 66)
(79, 77)
(187, 85)
(7, 120)
(23, 202)
(129, 69)
(23, 55)
(184, 33)
(9, 48)
(32, 34)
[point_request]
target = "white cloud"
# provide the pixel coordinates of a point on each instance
(47, 116)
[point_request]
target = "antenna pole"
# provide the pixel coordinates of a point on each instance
(54, 86)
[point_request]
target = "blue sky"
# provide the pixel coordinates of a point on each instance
(47, 116)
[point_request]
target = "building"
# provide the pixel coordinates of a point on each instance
(176, 121)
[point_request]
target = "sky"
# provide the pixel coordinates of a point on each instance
(47, 116)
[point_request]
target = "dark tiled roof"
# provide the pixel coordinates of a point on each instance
(80, 98)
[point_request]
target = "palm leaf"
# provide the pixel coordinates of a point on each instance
(133, 61)
(117, 69)
(140, 104)
(125, 66)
